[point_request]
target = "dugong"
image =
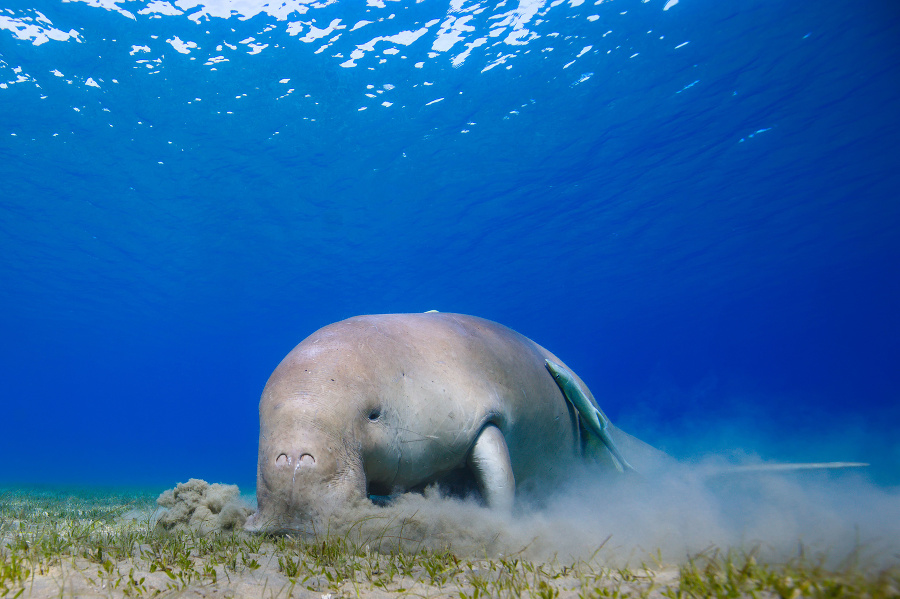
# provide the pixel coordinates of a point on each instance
(383, 404)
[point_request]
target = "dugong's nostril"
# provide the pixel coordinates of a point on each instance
(306, 460)
(283, 459)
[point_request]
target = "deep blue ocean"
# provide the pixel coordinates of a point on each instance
(695, 204)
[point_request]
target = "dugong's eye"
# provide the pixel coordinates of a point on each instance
(375, 414)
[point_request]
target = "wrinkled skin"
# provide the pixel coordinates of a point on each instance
(382, 404)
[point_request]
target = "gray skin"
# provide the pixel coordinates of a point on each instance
(384, 404)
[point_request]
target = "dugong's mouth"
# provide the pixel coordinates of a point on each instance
(304, 520)
(260, 524)
(304, 505)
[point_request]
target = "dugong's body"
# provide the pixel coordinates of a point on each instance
(376, 405)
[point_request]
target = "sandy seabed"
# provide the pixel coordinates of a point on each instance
(187, 542)
(81, 578)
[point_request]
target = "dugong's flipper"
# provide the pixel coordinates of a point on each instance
(489, 461)
(595, 421)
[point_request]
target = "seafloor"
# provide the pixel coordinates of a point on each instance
(117, 543)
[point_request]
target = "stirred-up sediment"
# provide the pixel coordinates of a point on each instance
(89, 544)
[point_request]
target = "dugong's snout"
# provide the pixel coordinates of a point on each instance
(301, 483)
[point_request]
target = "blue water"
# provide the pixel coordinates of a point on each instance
(696, 208)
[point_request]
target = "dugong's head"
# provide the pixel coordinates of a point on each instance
(323, 434)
